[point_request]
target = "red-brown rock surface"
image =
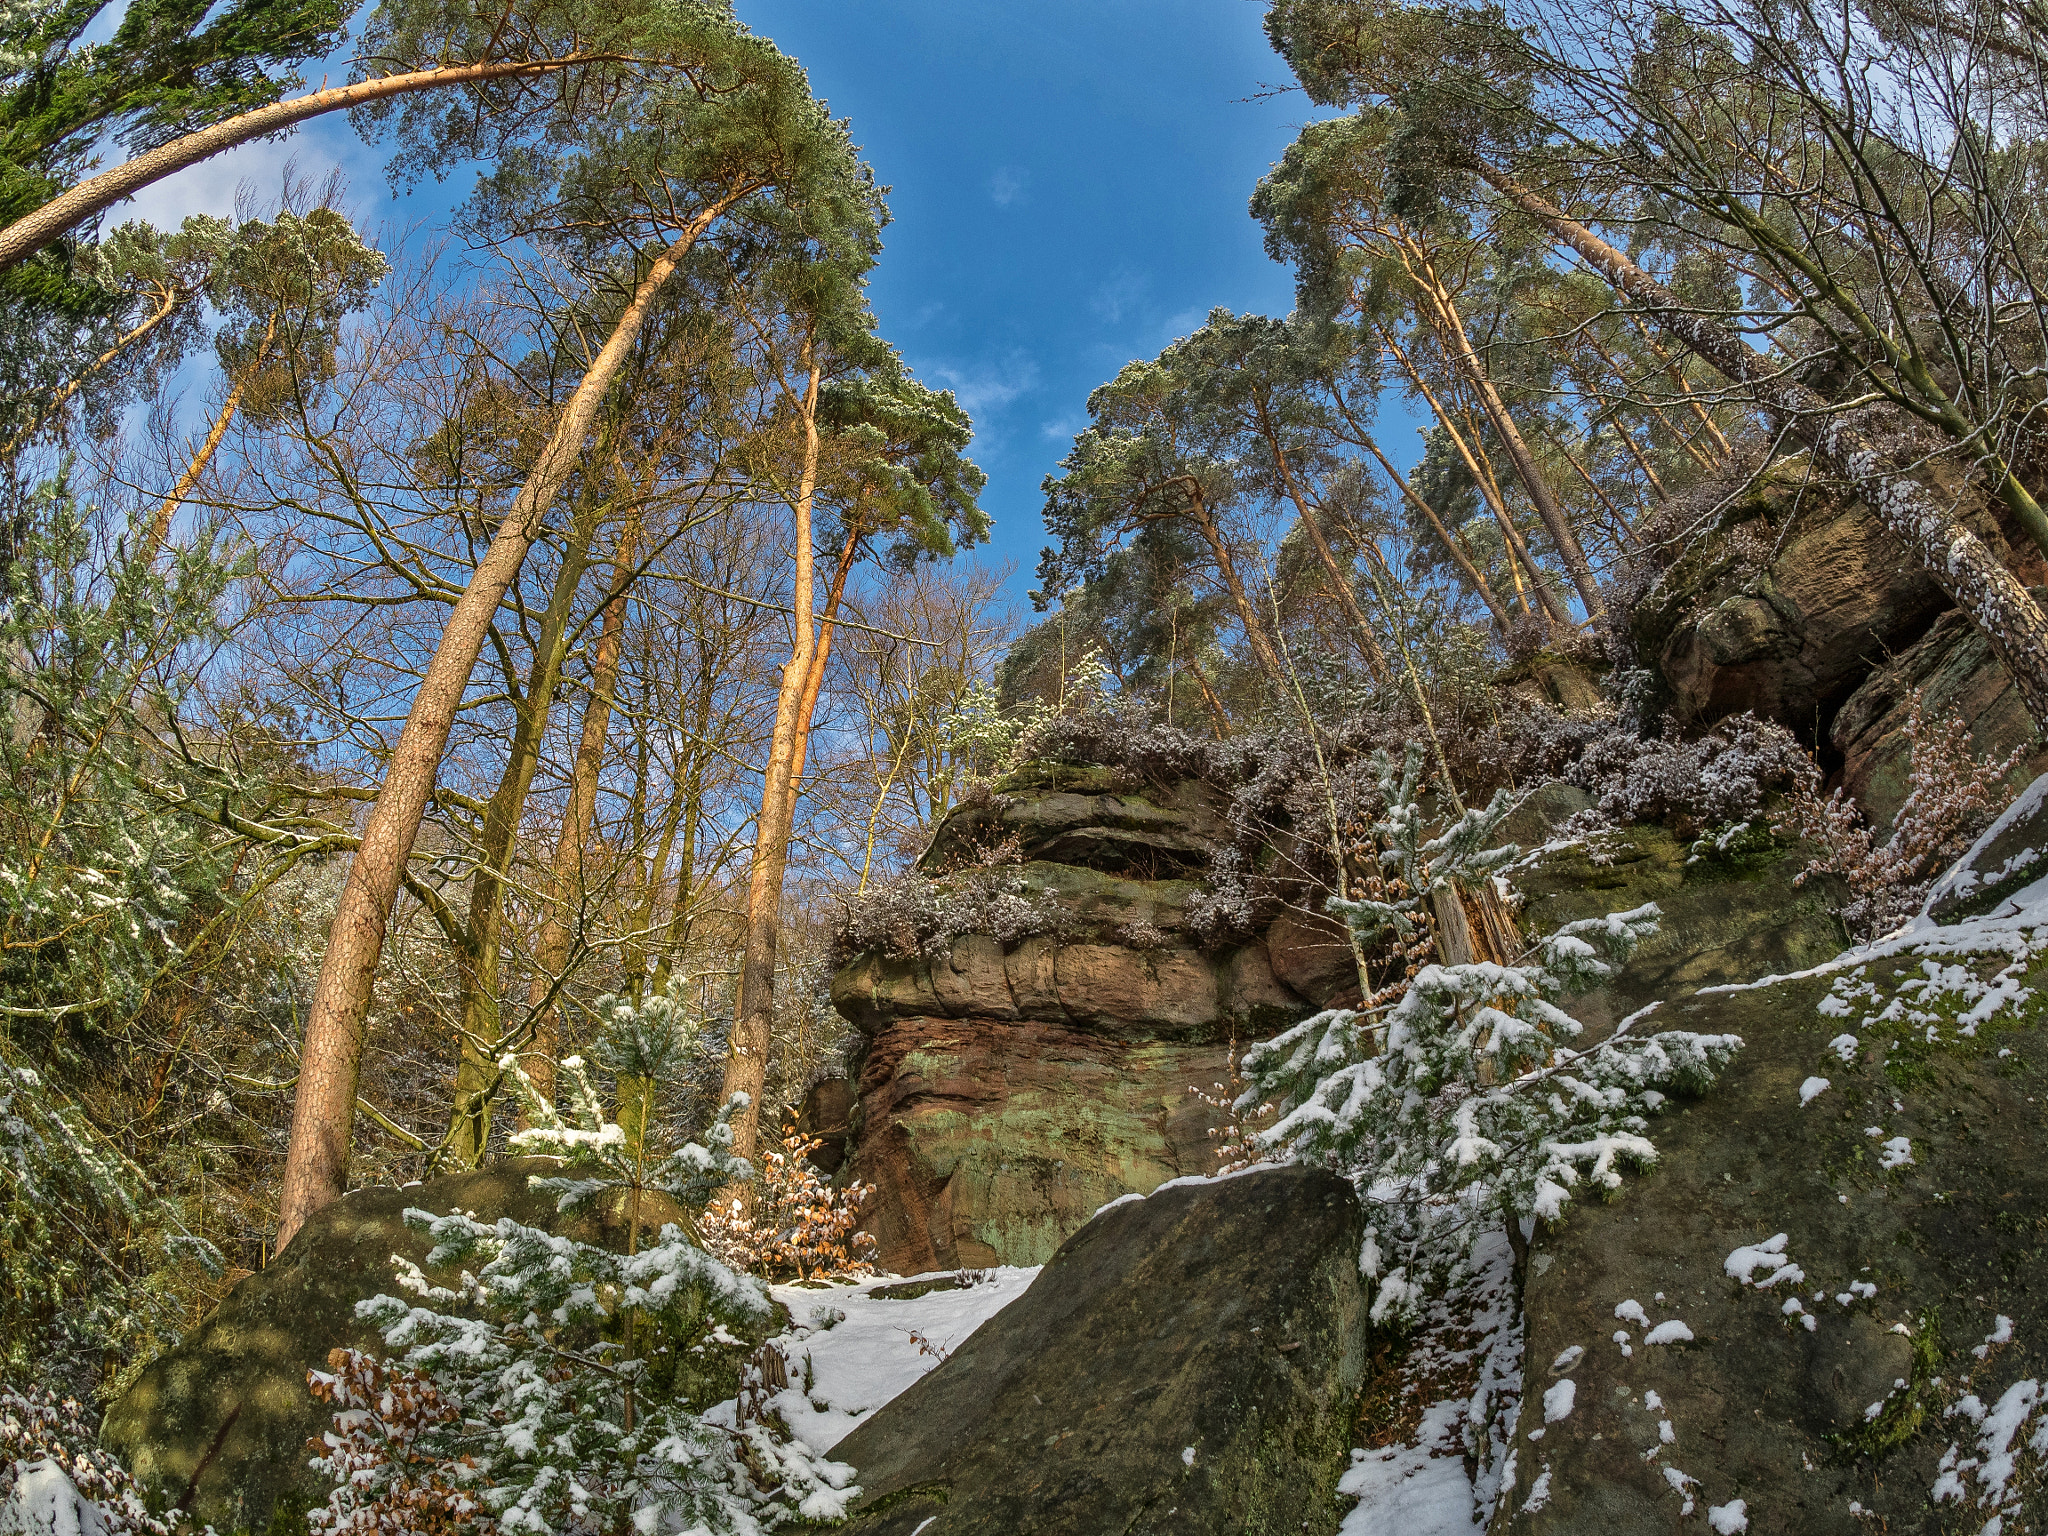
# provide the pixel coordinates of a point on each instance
(1011, 1090)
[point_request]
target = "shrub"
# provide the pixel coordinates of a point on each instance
(799, 1225)
(1951, 797)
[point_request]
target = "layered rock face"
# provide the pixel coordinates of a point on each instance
(1791, 605)
(1009, 1090)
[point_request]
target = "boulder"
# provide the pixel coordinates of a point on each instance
(1954, 670)
(218, 1425)
(1186, 1363)
(1902, 1272)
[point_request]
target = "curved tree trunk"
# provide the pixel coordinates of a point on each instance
(32, 231)
(323, 1112)
(1340, 582)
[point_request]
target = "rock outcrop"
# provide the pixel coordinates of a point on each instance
(1010, 1089)
(1954, 670)
(1186, 1364)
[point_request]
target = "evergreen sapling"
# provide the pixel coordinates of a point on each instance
(569, 1366)
(1459, 1102)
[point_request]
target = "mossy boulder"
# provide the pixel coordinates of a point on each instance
(1731, 910)
(1830, 1388)
(1185, 1364)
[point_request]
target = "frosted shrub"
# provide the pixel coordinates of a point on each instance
(553, 1378)
(800, 1226)
(43, 1436)
(1951, 796)
(1459, 1102)
(1721, 777)
(916, 917)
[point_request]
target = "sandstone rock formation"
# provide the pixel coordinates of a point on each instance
(1954, 669)
(1009, 1090)
(1185, 1364)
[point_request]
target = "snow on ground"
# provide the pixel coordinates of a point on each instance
(1418, 1490)
(842, 1369)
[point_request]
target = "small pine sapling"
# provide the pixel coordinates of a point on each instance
(1459, 1102)
(563, 1361)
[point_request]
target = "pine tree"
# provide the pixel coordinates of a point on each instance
(557, 1374)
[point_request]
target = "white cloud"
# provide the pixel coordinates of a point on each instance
(986, 386)
(1062, 429)
(212, 185)
(1007, 185)
(1120, 296)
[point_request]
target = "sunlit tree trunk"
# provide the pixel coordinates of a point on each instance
(746, 1062)
(323, 1112)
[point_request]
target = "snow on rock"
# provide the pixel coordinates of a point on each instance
(1896, 1153)
(1558, 1399)
(1632, 1312)
(841, 1369)
(1845, 1046)
(1727, 1519)
(2001, 1333)
(1811, 1089)
(1673, 1332)
(1744, 1264)
(44, 1502)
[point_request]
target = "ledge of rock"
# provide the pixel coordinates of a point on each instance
(1011, 1089)
(1185, 1364)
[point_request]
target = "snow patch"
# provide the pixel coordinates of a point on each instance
(1812, 1089)
(1673, 1332)
(46, 1503)
(1727, 1519)
(1744, 1264)
(1558, 1399)
(842, 1370)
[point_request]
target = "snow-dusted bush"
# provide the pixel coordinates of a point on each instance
(1459, 1102)
(559, 1372)
(1951, 797)
(916, 916)
(799, 1226)
(50, 1458)
(1720, 777)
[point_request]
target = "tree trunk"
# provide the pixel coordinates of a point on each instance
(1453, 546)
(1340, 583)
(481, 1024)
(565, 881)
(323, 1112)
(1488, 491)
(1450, 326)
(31, 232)
(1254, 631)
(1861, 443)
(746, 1062)
(160, 523)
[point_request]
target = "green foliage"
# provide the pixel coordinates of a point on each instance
(95, 641)
(1460, 1103)
(569, 1405)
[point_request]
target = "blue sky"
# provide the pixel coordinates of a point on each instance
(1069, 187)
(1069, 181)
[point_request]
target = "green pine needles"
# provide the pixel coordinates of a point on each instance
(1459, 1104)
(561, 1385)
